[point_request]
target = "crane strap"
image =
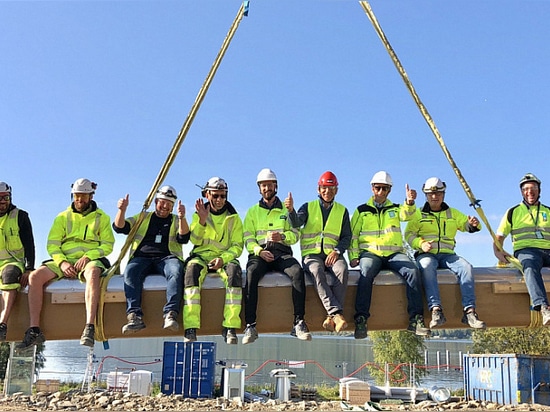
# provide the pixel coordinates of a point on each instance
(115, 268)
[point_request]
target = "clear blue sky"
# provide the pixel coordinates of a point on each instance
(100, 89)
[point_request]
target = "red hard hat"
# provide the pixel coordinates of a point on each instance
(328, 179)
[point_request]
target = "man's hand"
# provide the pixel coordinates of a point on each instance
(289, 202)
(68, 270)
(123, 203)
(267, 256)
(81, 263)
(181, 210)
(215, 264)
(410, 195)
(472, 220)
(24, 281)
(331, 258)
(202, 211)
(354, 262)
(426, 246)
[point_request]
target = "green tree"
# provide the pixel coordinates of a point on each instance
(522, 341)
(396, 348)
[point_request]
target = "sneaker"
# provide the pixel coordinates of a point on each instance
(230, 336)
(3, 332)
(544, 311)
(339, 322)
(417, 326)
(31, 338)
(190, 335)
(170, 321)
(88, 336)
(301, 331)
(360, 328)
(471, 319)
(135, 324)
(250, 334)
(328, 324)
(438, 318)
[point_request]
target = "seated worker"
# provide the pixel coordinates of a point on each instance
(217, 233)
(431, 233)
(157, 248)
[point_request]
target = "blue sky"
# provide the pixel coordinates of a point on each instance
(100, 89)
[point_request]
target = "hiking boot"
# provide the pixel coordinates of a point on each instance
(438, 318)
(3, 332)
(471, 319)
(170, 321)
(544, 311)
(31, 338)
(250, 334)
(190, 335)
(360, 328)
(230, 336)
(328, 324)
(135, 324)
(416, 325)
(88, 336)
(301, 331)
(339, 322)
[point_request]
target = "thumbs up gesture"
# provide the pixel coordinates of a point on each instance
(289, 202)
(410, 195)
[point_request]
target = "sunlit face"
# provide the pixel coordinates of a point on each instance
(217, 199)
(327, 193)
(380, 192)
(530, 192)
(268, 189)
(82, 201)
(5, 201)
(163, 207)
(435, 200)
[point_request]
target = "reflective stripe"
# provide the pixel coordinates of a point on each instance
(314, 236)
(11, 247)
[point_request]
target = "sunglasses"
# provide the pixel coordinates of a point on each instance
(216, 196)
(5, 197)
(382, 188)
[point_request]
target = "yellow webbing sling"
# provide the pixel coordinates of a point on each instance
(99, 327)
(475, 203)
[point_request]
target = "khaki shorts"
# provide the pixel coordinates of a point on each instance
(99, 263)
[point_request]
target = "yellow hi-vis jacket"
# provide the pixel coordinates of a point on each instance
(11, 247)
(74, 235)
(529, 226)
(313, 235)
(437, 227)
(259, 220)
(378, 231)
(222, 236)
(175, 248)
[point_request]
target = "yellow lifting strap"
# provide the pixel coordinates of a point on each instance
(475, 203)
(99, 326)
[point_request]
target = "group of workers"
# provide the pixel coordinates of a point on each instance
(81, 238)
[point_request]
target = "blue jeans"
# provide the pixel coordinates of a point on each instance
(430, 262)
(533, 260)
(139, 267)
(371, 264)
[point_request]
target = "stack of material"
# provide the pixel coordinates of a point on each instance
(355, 392)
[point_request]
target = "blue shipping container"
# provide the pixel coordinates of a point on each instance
(188, 369)
(508, 379)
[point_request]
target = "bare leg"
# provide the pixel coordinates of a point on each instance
(37, 280)
(92, 293)
(8, 299)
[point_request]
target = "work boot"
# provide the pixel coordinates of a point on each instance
(471, 319)
(3, 332)
(301, 331)
(416, 325)
(250, 334)
(438, 318)
(544, 311)
(88, 336)
(170, 321)
(33, 336)
(339, 322)
(135, 324)
(230, 336)
(360, 328)
(190, 335)
(328, 324)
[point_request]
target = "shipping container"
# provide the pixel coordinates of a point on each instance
(507, 379)
(188, 369)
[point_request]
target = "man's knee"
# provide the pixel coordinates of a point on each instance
(192, 274)
(234, 275)
(11, 274)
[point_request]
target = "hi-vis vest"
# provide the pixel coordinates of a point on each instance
(173, 245)
(11, 247)
(529, 227)
(378, 231)
(313, 235)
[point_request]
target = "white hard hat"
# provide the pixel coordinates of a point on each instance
(529, 177)
(167, 192)
(4, 187)
(83, 186)
(266, 175)
(383, 178)
(214, 183)
(434, 184)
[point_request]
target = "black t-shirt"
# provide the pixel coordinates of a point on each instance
(155, 242)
